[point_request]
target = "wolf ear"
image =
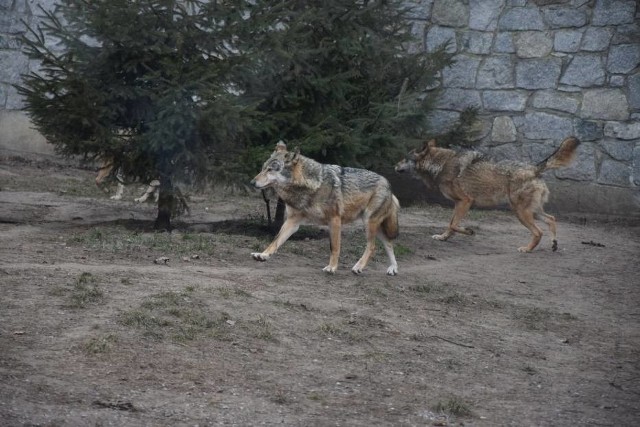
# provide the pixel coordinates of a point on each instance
(281, 147)
(296, 155)
(431, 143)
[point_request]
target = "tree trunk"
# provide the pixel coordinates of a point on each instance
(165, 204)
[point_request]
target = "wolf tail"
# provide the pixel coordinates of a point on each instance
(563, 156)
(390, 226)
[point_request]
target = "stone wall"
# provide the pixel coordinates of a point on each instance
(539, 70)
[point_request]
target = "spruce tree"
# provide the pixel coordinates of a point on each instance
(143, 82)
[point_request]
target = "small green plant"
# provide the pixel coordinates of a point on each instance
(98, 345)
(453, 406)
(401, 250)
(85, 291)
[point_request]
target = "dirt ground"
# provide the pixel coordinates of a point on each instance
(471, 332)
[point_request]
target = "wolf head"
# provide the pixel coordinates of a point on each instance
(408, 164)
(278, 168)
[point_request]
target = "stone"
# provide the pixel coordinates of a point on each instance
(567, 40)
(613, 172)
(436, 36)
(613, 12)
(504, 100)
(533, 44)
(538, 73)
(13, 66)
(616, 80)
(623, 58)
(583, 168)
(539, 125)
(483, 14)
(451, 13)
(584, 70)
(634, 91)
(622, 130)
(535, 152)
(521, 19)
(503, 130)
(441, 121)
(618, 150)
(586, 130)
(3, 95)
(635, 166)
(604, 104)
(496, 72)
(505, 152)
(477, 42)
(563, 17)
(458, 99)
(596, 39)
(554, 100)
(462, 73)
(420, 9)
(627, 34)
(503, 42)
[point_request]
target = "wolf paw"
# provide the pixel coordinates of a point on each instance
(523, 249)
(441, 237)
(392, 270)
(329, 269)
(554, 245)
(356, 269)
(259, 256)
(116, 197)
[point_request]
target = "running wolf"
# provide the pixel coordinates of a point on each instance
(330, 195)
(467, 178)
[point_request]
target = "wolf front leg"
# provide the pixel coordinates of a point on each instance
(289, 227)
(335, 230)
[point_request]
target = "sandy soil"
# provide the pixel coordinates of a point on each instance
(471, 332)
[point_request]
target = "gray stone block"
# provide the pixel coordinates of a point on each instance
(477, 42)
(538, 73)
(3, 95)
(420, 9)
(540, 125)
(520, 19)
(504, 100)
(564, 17)
(496, 72)
(437, 36)
(533, 44)
(623, 58)
(604, 104)
(503, 130)
(586, 130)
(13, 65)
(618, 150)
(452, 13)
(535, 152)
(613, 12)
(567, 40)
(584, 70)
(635, 166)
(596, 39)
(616, 80)
(554, 100)
(622, 130)
(441, 121)
(615, 173)
(503, 42)
(627, 34)
(583, 167)
(634, 91)
(483, 14)
(505, 152)
(458, 99)
(462, 73)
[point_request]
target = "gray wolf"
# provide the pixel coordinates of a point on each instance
(105, 171)
(330, 195)
(467, 178)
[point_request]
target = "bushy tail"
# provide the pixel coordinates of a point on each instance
(390, 226)
(563, 156)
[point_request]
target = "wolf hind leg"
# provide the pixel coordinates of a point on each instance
(388, 247)
(550, 220)
(526, 217)
(371, 230)
(289, 227)
(459, 211)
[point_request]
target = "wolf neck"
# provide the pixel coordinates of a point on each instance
(306, 179)
(433, 164)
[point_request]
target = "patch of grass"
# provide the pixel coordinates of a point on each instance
(456, 298)
(85, 291)
(261, 328)
(98, 345)
(180, 316)
(426, 288)
(453, 406)
(401, 250)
